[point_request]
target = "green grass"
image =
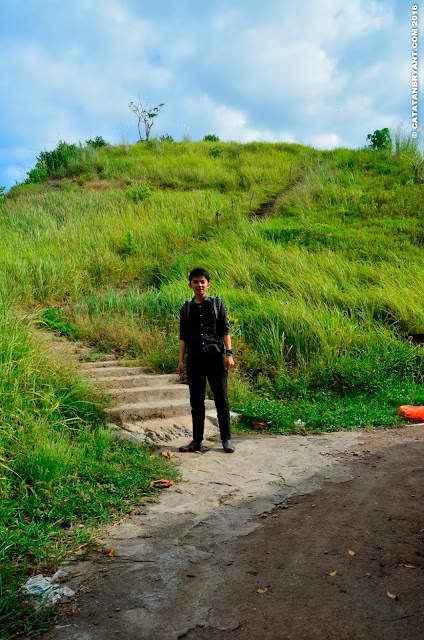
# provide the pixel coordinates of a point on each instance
(322, 296)
(58, 463)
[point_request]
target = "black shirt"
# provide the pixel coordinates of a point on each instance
(203, 331)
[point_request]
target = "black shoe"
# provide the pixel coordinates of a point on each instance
(228, 446)
(191, 448)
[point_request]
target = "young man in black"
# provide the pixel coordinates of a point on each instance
(203, 329)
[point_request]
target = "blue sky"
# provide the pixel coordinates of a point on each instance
(320, 73)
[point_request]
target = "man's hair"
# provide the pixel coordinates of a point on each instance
(197, 273)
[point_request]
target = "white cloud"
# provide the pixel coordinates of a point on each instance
(325, 141)
(325, 73)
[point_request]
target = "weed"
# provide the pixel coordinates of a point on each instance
(128, 247)
(138, 192)
(56, 320)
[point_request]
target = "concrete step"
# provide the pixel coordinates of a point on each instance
(150, 394)
(143, 380)
(107, 370)
(137, 411)
(104, 363)
(106, 357)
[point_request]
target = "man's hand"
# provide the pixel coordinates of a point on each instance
(229, 362)
(180, 369)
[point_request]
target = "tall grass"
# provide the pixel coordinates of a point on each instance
(341, 256)
(58, 464)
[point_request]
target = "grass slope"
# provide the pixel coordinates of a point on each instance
(322, 295)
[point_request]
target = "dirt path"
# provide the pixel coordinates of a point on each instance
(279, 515)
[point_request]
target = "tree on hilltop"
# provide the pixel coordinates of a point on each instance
(380, 139)
(145, 114)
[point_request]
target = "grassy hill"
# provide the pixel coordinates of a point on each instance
(324, 292)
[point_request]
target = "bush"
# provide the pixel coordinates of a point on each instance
(166, 138)
(211, 137)
(215, 152)
(138, 192)
(49, 163)
(97, 143)
(2, 196)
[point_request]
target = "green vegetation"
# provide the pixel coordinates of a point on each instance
(380, 139)
(323, 296)
(97, 143)
(59, 464)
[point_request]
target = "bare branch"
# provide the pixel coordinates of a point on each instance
(144, 113)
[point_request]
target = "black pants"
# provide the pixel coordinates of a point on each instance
(210, 366)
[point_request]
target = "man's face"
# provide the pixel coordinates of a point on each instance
(199, 285)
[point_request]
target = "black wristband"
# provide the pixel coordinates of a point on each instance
(228, 352)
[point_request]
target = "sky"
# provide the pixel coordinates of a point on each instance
(321, 73)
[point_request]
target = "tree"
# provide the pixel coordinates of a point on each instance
(145, 114)
(380, 139)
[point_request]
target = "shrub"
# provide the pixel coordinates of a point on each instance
(211, 137)
(138, 192)
(166, 138)
(215, 152)
(2, 196)
(97, 143)
(50, 163)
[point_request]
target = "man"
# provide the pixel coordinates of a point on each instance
(204, 333)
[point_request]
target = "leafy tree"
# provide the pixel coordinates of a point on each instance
(2, 196)
(211, 137)
(380, 139)
(145, 114)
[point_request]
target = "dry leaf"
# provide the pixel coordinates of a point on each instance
(67, 608)
(161, 483)
(259, 590)
(392, 596)
(333, 573)
(111, 552)
(260, 424)
(409, 566)
(351, 553)
(167, 454)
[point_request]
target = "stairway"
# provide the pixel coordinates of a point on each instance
(145, 408)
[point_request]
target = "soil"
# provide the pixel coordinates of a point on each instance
(256, 545)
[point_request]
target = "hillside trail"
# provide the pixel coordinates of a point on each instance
(290, 537)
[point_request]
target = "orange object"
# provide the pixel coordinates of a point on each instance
(411, 413)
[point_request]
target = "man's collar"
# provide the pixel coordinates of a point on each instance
(205, 299)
